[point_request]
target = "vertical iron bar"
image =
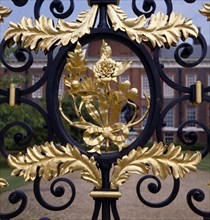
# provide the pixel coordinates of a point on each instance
(103, 17)
(114, 210)
(105, 170)
(106, 209)
(180, 94)
(96, 209)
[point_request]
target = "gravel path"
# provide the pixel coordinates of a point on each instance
(129, 207)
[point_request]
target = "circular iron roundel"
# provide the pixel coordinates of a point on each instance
(54, 72)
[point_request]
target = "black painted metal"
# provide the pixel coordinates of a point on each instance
(54, 125)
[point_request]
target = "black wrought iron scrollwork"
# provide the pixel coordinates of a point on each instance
(14, 198)
(20, 3)
(56, 7)
(187, 51)
(155, 188)
(199, 196)
(149, 7)
(59, 7)
(58, 191)
(21, 54)
(19, 138)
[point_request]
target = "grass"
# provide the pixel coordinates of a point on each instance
(205, 163)
(5, 173)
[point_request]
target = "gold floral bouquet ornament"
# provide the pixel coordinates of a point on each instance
(103, 103)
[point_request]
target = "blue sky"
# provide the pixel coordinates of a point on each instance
(187, 10)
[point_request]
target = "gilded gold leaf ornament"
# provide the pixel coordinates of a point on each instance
(102, 103)
(159, 30)
(162, 160)
(4, 12)
(3, 183)
(206, 10)
(35, 34)
(48, 161)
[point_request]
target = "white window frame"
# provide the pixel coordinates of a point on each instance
(143, 110)
(124, 77)
(169, 136)
(191, 116)
(190, 79)
(169, 119)
(61, 86)
(38, 94)
(168, 92)
(144, 85)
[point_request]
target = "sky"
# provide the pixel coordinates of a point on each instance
(186, 9)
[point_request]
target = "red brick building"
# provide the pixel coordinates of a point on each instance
(136, 75)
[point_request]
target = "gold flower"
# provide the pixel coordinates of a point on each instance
(107, 69)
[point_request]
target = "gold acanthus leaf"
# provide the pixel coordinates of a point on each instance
(160, 30)
(3, 183)
(4, 12)
(163, 160)
(42, 33)
(48, 161)
(206, 10)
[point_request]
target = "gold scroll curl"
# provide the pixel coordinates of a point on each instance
(3, 183)
(4, 12)
(206, 10)
(103, 103)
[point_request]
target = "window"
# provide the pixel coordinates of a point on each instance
(38, 93)
(191, 115)
(190, 79)
(143, 110)
(122, 117)
(169, 138)
(167, 90)
(123, 78)
(144, 86)
(208, 83)
(169, 118)
(61, 86)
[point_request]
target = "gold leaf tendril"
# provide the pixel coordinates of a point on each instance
(4, 12)
(206, 11)
(3, 183)
(163, 160)
(159, 30)
(48, 161)
(42, 33)
(103, 103)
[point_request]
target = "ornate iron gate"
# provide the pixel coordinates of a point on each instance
(98, 98)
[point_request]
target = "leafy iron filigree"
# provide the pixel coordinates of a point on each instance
(163, 160)
(3, 183)
(206, 11)
(4, 12)
(161, 29)
(48, 161)
(42, 33)
(103, 104)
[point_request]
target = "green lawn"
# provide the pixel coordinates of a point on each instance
(205, 163)
(5, 172)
